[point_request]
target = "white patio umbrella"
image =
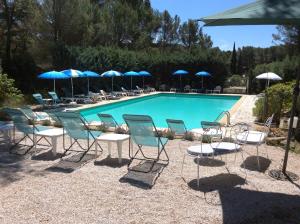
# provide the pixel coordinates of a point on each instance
(269, 76)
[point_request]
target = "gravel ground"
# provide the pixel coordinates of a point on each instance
(40, 188)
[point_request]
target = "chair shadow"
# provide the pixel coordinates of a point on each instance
(251, 164)
(218, 182)
(209, 162)
(111, 162)
(46, 156)
(71, 163)
(141, 179)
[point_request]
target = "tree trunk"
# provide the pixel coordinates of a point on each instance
(8, 12)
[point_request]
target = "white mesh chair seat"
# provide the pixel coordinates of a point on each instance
(228, 146)
(203, 149)
(252, 137)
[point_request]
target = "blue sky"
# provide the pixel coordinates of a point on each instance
(223, 37)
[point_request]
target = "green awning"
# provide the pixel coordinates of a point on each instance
(267, 12)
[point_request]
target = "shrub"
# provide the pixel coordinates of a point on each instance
(9, 94)
(46, 123)
(235, 80)
(189, 136)
(120, 130)
(279, 101)
(169, 134)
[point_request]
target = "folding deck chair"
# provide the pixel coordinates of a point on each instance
(177, 126)
(144, 133)
(76, 127)
(22, 123)
(108, 120)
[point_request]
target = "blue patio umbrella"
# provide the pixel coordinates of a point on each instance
(72, 73)
(144, 74)
(90, 74)
(111, 74)
(131, 74)
(53, 75)
(203, 74)
(180, 73)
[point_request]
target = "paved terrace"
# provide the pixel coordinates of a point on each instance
(40, 188)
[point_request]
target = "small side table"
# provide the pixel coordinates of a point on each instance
(109, 138)
(52, 133)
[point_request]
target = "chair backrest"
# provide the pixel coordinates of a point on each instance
(123, 89)
(54, 96)
(211, 128)
(142, 130)
(187, 87)
(138, 88)
(177, 126)
(38, 97)
(20, 120)
(268, 122)
(73, 124)
(218, 88)
(103, 92)
(108, 120)
(239, 129)
(28, 112)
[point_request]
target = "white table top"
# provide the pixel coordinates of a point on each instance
(52, 132)
(113, 137)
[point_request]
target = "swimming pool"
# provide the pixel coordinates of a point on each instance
(191, 108)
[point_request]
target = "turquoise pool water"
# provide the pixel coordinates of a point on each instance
(191, 108)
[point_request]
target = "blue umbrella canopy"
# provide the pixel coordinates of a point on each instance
(203, 74)
(90, 74)
(111, 74)
(53, 75)
(180, 72)
(131, 74)
(72, 73)
(144, 73)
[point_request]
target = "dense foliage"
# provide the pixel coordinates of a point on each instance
(278, 101)
(9, 94)
(39, 35)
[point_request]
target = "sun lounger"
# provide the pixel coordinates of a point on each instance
(144, 134)
(76, 127)
(110, 96)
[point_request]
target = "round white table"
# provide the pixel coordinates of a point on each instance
(110, 138)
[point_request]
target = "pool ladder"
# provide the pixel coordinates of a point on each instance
(227, 114)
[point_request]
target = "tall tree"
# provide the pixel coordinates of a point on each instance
(233, 60)
(290, 36)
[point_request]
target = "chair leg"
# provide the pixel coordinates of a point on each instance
(267, 152)
(183, 160)
(258, 164)
(198, 168)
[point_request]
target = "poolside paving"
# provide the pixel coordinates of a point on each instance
(40, 188)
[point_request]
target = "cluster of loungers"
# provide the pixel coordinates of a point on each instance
(92, 97)
(189, 89)
(142, 132)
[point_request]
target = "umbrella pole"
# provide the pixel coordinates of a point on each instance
(72, 89)
(88, 84)
(54, 85)
(143, 83)
(112, 83)
(202, 82)
(180, 82)
(131, 83)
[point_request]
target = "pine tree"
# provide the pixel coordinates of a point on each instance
(233, 60)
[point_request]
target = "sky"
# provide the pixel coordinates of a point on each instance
(223, 37)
